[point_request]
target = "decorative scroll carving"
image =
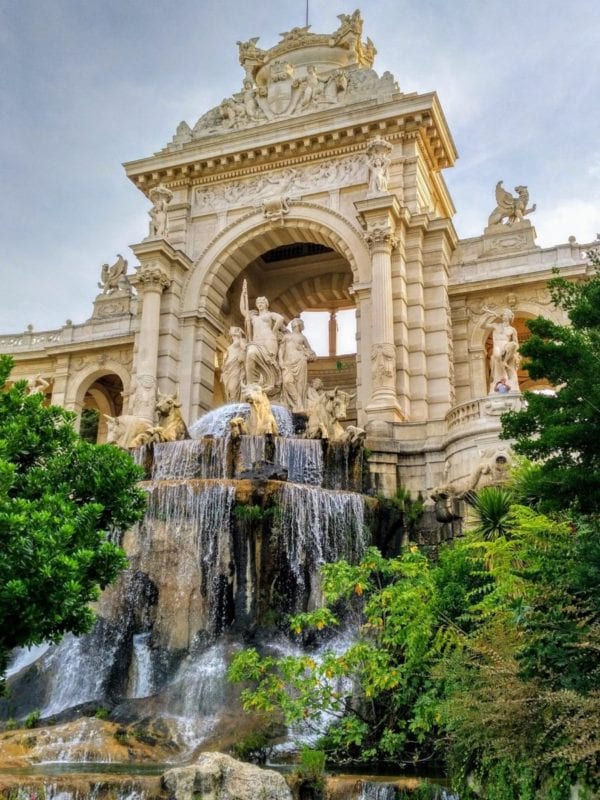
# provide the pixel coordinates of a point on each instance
(275, 209)
(289, 182)
(381, 237)
(153, 277)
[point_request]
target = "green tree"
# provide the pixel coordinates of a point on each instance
(562, 431)
(64, 503)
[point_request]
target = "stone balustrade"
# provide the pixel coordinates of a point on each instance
(483, 408)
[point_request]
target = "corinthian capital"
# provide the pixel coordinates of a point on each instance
(381, 238)
(153, 277)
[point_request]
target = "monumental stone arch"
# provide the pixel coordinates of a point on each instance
(340, 260)
(318, 183)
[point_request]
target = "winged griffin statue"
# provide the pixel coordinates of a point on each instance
(509, 208)
(114, 278)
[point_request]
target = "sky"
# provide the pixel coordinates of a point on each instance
(89, 84)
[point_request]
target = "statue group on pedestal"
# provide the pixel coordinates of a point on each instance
(268, 353)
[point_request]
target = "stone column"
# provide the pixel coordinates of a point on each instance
(380, 216)
(332, 330)
(151, 281)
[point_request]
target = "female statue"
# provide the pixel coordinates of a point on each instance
(294, 355)
(233, 374)
(265, 329)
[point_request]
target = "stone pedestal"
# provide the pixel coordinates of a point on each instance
(116, 304)
(499, 239)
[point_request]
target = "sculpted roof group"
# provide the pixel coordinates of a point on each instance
(304, 72)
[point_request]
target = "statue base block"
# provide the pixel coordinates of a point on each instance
(498, 239)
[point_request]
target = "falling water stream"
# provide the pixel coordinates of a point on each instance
(199, 580)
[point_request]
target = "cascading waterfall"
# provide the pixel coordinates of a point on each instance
(202, 509)
(318, 526)
(216, 422)
(252, 449)
(303, 459)
(200, 458)
(142, 666)
(373, 790)
(198, 571)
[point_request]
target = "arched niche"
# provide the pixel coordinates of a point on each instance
(101, 388)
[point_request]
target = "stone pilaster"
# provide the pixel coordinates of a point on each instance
(158, 280)
(380, 215)
(151, 280)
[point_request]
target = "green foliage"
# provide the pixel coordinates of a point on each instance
(101, 713)
(562, 431)
(32, 719)
(249, 513)
(10, 725)
(121, 736)
(490, 651)
(491, 507)
(88, 427)
(254, 747)
(311, 768)
(63, 502)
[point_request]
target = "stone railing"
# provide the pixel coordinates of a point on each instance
(69, 334)
(482, 408)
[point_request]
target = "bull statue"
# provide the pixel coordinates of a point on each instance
(261, 420)
(324, 418)
(128, 431)
(123, 430)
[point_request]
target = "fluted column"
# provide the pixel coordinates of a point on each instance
(380, 217)
(151, 281)
(381, 241)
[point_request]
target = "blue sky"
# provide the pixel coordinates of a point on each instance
(88, 84)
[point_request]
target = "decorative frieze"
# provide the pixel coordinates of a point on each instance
(291, 182)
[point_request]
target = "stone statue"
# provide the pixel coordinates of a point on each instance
(234, 372)
(129, 431)
(294, 354)
(160, 197)
(251, 107)
(114, 278)
(37, 385)
(513, 209)
(313, 87)
(378, 154)
(505, 360)
(264, 330)
(261, 420)
(314, 393)
(325, 414)
(492, 469)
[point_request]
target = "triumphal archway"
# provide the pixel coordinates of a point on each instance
(318, 185)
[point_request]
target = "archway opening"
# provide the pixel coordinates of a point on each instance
(103, 396)
(307, 280)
